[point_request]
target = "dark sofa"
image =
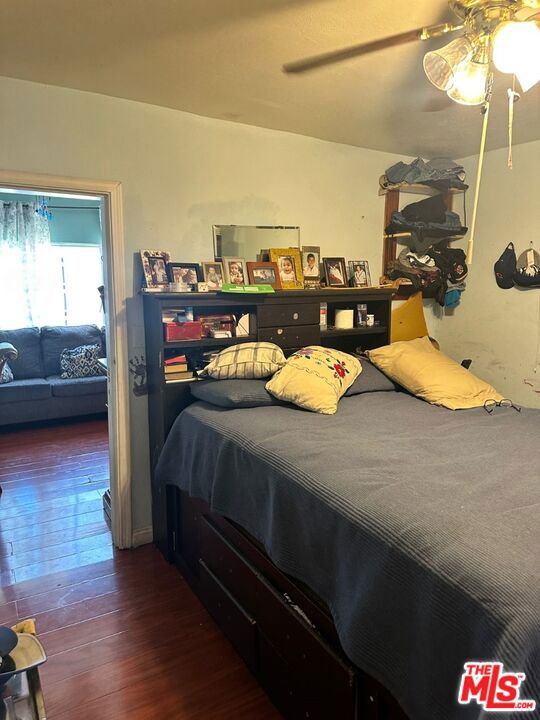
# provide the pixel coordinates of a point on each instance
(37, 391)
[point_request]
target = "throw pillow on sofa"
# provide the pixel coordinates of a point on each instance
(80, 362)
(6, 376)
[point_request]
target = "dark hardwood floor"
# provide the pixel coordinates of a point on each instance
(124, 634)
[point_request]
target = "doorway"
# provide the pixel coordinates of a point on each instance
(106, 200)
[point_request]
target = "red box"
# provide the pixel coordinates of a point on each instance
(183, 331)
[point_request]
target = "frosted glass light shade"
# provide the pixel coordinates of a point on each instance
(516, 49)
(440, 65)
(469, 86)
(529, 76)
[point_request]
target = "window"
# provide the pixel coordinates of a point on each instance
(66, 293)
(79, 273)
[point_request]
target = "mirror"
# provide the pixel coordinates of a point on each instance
(247, 241)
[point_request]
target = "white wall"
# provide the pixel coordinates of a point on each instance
(181, 173)
(500, 329)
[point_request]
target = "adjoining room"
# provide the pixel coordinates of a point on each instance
(54, 444)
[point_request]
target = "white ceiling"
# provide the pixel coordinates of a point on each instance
(223, 58)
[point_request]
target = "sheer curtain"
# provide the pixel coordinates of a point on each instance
(28, 268)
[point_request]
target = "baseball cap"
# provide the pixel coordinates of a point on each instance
(505, 267)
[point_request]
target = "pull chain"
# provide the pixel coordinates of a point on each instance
(485, 111)
(513, 97)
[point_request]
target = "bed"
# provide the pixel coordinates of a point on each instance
(415, 526)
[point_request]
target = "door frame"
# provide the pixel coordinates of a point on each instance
(116, 331)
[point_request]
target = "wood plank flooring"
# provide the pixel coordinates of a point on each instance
(125, 636)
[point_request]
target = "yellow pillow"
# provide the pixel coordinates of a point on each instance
(431, 375)
(246, 361)
(315, 378)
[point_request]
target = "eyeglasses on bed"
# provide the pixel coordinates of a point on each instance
(490, 405)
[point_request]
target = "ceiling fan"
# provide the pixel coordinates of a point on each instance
(500, 33)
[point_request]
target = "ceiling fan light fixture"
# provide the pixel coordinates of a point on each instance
(440, 65)
(528, 76)
(516, 49)
(470, 82)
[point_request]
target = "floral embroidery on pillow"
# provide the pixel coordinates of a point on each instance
(340, 369)
(339, 366)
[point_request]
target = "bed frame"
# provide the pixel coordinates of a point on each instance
(283, 632)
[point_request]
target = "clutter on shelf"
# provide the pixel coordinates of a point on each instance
(424, 229)
(439, 173)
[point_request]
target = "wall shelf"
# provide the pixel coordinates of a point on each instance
(404, 290)
(419, 189)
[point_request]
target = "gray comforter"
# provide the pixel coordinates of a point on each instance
(418, 526)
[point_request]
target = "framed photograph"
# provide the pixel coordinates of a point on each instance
(235, 270)
(154, 263)
(335, 272)
(187, 273)
(311, 259)
(359, 273)
(264, 273)
(289, 264)
(213, 274)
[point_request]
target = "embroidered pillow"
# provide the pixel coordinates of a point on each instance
(6, 376)
(246, 361)
(80, 362)
(315, 378)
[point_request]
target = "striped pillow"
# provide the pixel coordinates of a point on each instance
(246, 362)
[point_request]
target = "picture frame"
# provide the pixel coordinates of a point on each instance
(359, 275)
(311, 266)
(289, 264)
(335, 272)
(184, 272)
(154, 264)
(213, 274)
(235, 270)
(264, 273)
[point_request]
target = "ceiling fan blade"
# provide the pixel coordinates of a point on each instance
(336, 56)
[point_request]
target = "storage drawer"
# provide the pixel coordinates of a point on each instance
(299, 314)
(238, 626)
(231, 569)
(311, 659)
(298, 696)
(291, 337)
(188, 528)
